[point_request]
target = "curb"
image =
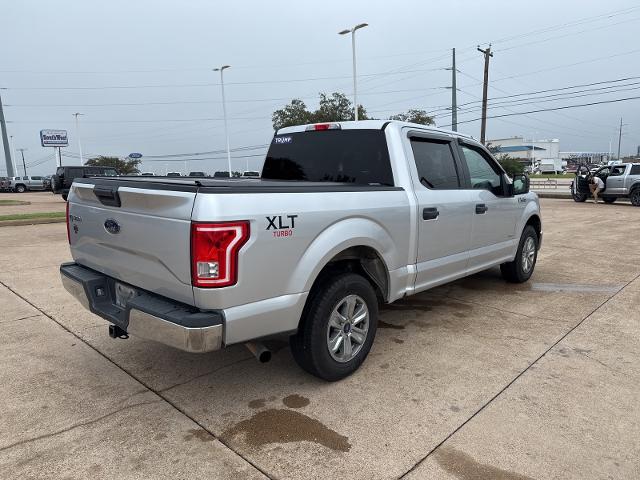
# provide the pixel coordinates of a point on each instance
(554, 195)
(31, 221)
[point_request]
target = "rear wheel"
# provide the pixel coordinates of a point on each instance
(337, 328)
(635, 197)
(521, 269)
(609, 199)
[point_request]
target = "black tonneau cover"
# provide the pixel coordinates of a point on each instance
(234, 185)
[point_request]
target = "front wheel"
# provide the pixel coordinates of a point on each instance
(635, 197)
(21, 189)
(337, 328)
(521, 269)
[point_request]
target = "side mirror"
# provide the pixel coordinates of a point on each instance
(520, 184)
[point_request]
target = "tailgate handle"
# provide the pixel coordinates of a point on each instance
(481, 208)
(107, 195)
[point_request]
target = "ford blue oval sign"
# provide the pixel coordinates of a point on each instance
(135, 155)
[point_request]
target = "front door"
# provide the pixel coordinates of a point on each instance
(444, 209)
(615, 180)
(495, 213)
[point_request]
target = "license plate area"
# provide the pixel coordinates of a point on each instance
(124, 293)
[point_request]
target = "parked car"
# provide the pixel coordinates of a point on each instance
(345, 215)
(174, 174)
(251, 174)
(221, 174)
(64, 176)
(620, 181)
(148, 174)
(26, 183)
(198, 174)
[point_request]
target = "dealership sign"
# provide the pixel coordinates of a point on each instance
(54, 138)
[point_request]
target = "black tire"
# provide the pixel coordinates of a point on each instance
(21, 188)
(310, 346)
(515, 271)
(609, 199)
(577, 197)
(64, 197)
(634, 196)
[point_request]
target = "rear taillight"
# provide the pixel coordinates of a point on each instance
(214, 252)
(68, 232)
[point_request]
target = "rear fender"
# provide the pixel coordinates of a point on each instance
(347, 233)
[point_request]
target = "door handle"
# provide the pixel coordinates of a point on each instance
(481, 208)
(430, 213)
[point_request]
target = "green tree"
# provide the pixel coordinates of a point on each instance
(295, 113)
(512, 166)
(124, 167)
(414, 115)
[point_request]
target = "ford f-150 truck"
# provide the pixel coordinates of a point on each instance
(345, 216)
(620, 181)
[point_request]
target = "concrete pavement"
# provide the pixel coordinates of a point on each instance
(477, 379)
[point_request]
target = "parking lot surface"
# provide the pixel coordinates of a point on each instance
(478, 379)
(34, 202)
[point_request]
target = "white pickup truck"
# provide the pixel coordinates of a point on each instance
(345, 216)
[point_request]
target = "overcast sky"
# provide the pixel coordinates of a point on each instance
(60, 57)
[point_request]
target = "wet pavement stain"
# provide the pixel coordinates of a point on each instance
(382, 324)
(384, 366)
(286, 426)
(427, 304)
(464, 467)
(295, 401)
(397, 340)
(258, 403)
(199, 434)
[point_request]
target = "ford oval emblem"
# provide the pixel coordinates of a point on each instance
(111, 226)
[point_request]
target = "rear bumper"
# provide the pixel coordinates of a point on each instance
(145, 315)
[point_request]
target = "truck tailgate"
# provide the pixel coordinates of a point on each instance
(140, 236)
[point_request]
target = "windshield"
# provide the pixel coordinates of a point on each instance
(349, 156)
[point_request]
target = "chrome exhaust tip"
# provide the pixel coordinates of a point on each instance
(262, 353)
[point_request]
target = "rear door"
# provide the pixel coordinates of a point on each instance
(136, 232)
(444, 215)
(494, 213)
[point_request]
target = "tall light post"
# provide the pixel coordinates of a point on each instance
(77, 114)
(352, 31)
(24, 165)
(224, 114)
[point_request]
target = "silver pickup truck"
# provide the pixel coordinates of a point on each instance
(620, 181)
(345, 216)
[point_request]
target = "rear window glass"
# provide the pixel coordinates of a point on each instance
(346, 156)
(635, 170)
(435, 163)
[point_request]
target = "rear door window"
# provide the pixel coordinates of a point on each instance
(635, 170)
(435, 163)
(346, 156)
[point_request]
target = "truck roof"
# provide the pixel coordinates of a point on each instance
(373, 125)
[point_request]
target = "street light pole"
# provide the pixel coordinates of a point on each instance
(224, 114)
(352, 31)
(78, 135)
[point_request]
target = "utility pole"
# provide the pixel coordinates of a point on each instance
(454, 97)
(5, 143)
(619, 138)
(24, 165)
(487, 54)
